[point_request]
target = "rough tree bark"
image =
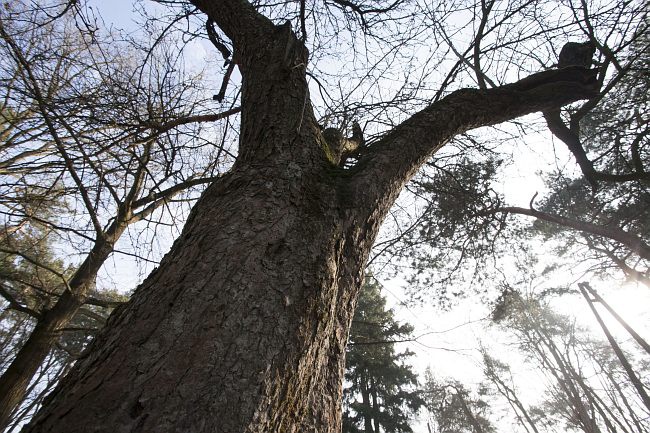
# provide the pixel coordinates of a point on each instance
(243, 326)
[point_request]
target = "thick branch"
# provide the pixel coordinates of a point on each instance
(572, 141)
(633, 242)
(202, 118)
(394, 159)
(238, 19)
(570, 136)
(485, 14)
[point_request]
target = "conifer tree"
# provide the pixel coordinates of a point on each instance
(453, 409)
(381, 394)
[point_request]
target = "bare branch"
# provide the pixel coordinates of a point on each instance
(14, 304)
(634, 243)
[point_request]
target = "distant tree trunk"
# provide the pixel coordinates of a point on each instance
(634, 379)
(619, 319)
(375, 405)
(468, 413)
(460, 395)
(632, 419)
(16, 378)
(569, 381)
(365, 399)
(517, 406)
(243, 326)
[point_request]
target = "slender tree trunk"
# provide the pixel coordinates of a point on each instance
(375, 405)
(619, 319)
(543, 344)
(468, 413)
(516, 404)
(598, 405)
(16, 378)
(365, 399)
(50, 372)
(576, 389)
(631, 412)
(634, 379)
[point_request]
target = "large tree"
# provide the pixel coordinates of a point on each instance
(243, 326)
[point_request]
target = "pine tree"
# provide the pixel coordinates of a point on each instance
(260, 287)
(381, 393)
(453, 408)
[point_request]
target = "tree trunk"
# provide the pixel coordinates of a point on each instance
(634, 379)
(619, 319)
(375, 404)
(365, 398)
(567, 379)
(241, 328)
(476, 426)
(517, 406)
(16, 378)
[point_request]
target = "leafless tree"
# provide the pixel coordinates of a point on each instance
(99, 134)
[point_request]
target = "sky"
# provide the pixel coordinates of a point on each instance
(119, 13)
(448, 340)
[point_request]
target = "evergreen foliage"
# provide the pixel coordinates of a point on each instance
(381, 393)
(453, 408)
